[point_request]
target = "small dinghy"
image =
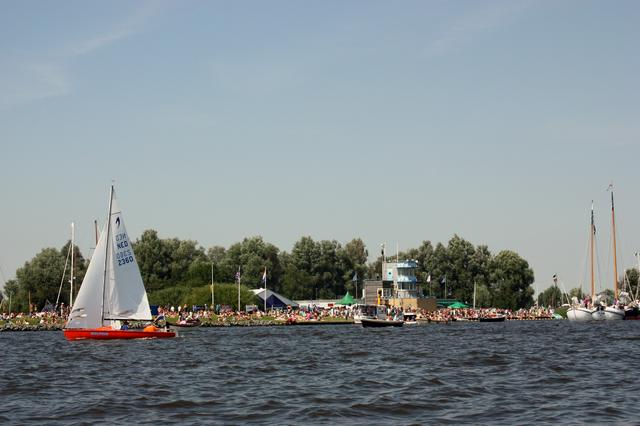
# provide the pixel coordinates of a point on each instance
(366, 322)
(496, 318)
(186, 323)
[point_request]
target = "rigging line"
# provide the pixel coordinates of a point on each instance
(584, 267)
(64, 272)
(564, 290)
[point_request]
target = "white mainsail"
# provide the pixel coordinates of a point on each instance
(112, 288)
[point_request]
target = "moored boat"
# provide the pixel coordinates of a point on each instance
(410, 318)
(614, 313)
(632, 313)
(577, 313)
(361, 312)
(494, 318)
(368, 322)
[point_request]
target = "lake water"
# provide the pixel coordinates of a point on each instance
(498, 373)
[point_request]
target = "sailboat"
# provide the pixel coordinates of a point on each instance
(112, 290)
(584, 312)
(614, 312)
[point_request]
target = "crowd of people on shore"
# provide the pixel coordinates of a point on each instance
(184, 314)
(470, 314)
(346, 313)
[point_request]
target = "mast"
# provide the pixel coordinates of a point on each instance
(474, 295)
(615, 258)
(638, 282)
(95, 227)
(107, 248)
(592, 231)
(71, 279)
(213, 307)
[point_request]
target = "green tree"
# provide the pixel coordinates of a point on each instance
(296, 284)
(12, 301)
(577, 293)
(461, 274)
(226, 294)
(253, 255)
(168, 262)
(39, 279)
(440, 271)
(301, 269)
(551, 297)
(633, 280)
(221, 270)
(483, 296)
(511, 280)
(354, 260)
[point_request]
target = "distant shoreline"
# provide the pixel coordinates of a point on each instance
(11, 327)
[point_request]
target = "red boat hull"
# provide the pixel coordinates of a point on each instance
(102, 334)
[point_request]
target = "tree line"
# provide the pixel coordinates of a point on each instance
(181, 271)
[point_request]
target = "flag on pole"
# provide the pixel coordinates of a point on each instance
(264, 276)
(355, 277)
(429, 278)
(238, 276)
(444, 279)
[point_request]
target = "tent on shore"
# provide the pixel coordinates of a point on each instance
(457, 305)
(274, 300)
(346, 300)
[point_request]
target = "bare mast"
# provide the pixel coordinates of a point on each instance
(108, 250)
(592, 232)
(73, 228)
(615, 258)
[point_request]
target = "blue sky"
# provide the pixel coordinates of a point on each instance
(390, 121)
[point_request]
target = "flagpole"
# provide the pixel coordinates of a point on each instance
(265, 290)
(213, 300)
(239, 279)
(357, 297)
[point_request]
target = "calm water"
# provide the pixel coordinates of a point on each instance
(504, 373)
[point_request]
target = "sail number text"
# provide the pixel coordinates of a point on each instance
(123, 256)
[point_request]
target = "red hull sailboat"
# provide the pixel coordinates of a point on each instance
(112, 292)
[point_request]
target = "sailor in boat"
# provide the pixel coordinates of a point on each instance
(160, 321)
(125, 325)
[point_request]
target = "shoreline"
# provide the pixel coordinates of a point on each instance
(9, 327)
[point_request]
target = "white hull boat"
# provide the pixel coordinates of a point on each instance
(613, 313)
(598, 315)
(579, 314)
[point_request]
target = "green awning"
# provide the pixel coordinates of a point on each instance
(457, 305)
(346, 300)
